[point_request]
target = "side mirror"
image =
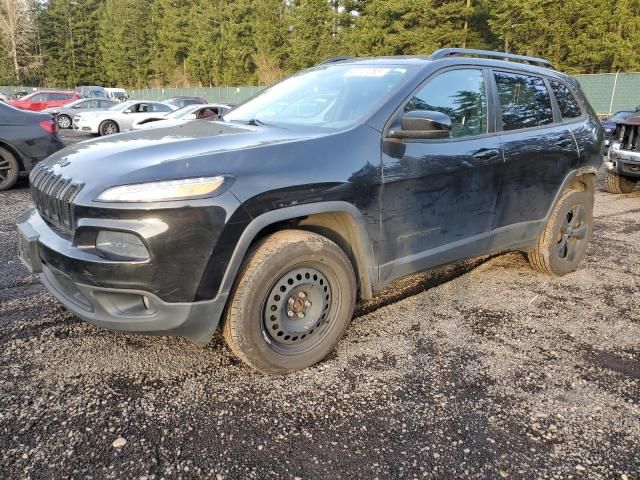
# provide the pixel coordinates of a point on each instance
(128, 110)
(426, 124)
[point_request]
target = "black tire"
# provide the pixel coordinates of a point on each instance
(64, 121)
(264, 326)
(564, 241)
(9, 169)
(108, 127)
(614, 183)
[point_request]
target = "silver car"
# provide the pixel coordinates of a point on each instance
(64, 115)
(118, 118)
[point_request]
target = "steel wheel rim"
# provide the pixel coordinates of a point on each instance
(64, 121)
(6, 170)
(293, 323)
(573, 231)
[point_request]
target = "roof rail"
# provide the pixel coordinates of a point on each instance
(452, 52)
(335, 59)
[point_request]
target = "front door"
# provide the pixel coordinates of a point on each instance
(438, 196)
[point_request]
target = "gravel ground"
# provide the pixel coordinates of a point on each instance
(485, 370)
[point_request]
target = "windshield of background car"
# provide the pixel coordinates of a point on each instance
(333, 96)
(121, 107)
(619, 116)
(181, 112)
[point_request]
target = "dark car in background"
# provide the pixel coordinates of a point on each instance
(316, 193)
(26, 138)
(41, 100)
(179, 102)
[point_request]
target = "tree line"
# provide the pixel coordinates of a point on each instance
(145, 43)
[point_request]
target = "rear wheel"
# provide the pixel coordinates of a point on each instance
(9, 169)
(614, 183)
(108, 127)
(564, 241)
(293, 300)
(64, 121)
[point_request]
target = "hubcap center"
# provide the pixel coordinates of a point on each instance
(298, 305)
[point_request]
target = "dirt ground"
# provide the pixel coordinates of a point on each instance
(499, 372)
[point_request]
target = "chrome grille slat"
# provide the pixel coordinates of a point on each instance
(53, 196)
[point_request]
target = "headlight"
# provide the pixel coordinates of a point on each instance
(608, 130)
(162, 191)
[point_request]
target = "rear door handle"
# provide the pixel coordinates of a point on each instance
(486, 154)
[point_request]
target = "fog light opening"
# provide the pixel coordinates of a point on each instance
(121, 245)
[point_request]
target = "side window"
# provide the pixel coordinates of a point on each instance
(569, 107)
(40, 97)
(524, 100)
(90, 104)
(58, 96)
(460, 94)
(143, 108)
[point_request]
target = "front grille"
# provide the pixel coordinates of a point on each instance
(629, 137)
(53, 196)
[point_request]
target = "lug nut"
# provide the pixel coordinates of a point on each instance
(290, 313)
(300, 315)
(307, 304)
(291, 301)
(302, 295)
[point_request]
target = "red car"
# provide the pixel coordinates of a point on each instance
(37, 101)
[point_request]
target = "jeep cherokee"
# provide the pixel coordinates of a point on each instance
(316, 193)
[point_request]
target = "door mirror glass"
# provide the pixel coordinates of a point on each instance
(426, 124)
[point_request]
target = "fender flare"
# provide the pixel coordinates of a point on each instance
(366, 269)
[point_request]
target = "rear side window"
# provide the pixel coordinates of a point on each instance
(59, 96)
(460, 94)
(569, 107)
(524, 100)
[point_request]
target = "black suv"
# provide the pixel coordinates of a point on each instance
(314, 194)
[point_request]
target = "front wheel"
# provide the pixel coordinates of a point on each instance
(292, 302)
(614, 183)
(64, 121)
(564, 241)
(108, 127)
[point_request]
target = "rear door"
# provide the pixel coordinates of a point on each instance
(438, 196)
(539, 151)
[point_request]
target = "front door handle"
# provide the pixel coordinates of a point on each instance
(486, 154)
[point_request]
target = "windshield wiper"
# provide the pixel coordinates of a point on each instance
(252, 121)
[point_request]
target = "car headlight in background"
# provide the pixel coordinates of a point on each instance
(121, 244)
(162, 191)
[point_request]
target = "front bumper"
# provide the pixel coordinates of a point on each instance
(84, 126)
(127, 309)
(625, 163)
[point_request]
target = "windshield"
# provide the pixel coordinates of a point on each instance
(121, 107)
(334, 96)
(181, 112)
(619, 116)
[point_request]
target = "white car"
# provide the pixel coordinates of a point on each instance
(182, 115)
(117, 94)
(118, 118)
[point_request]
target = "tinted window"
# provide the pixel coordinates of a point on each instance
(106, 103)
(460, 94)
(569, 107)
(90, 104)
(524, 100)
(59, 96)
(39, 97)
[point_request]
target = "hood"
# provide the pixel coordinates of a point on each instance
(190, 150)
(633, 120)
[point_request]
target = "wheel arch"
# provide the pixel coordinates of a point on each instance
(341, 222)
(102, 122)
